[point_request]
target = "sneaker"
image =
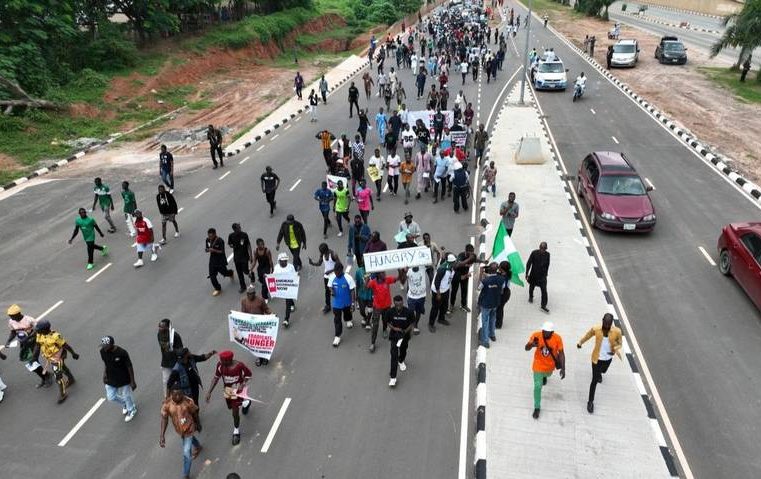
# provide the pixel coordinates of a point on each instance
(372, 348)
(104, 251)
(176, 234)
(336, 341)
(171, 191)
(544, 381)
(530, 299)
(340, 233)
(89, 266)
(112, 230)
(444, 322)
(245, 408)
(450, 310)
(349, 324)
(2, 395)
(154, 257)
(138, 263)
(465, 308)
(236, 437)
(325, 310)
(486, 345)
(216, 292)
(432, 328)
(535, 414)
(132, 234)
(286, 323)
(493, 338)
(130, 415)
(363, 323)
(415, 331)
(163, 241)
(124, 411)
(368, 327)
(392, 382)
(599, 381)
(62, 398)
(402, 367)
(590, 407)
(545, 309)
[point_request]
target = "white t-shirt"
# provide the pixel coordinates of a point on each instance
(417, 283)
(446, 282)
(393, 164)
(464, 67)
(408, 138)
(377, 162)
(329, 264)
(606, 352)
(288, 268)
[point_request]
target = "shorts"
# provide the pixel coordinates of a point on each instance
(167, 218)
(234, 403)
(416, 305)
(143, 247)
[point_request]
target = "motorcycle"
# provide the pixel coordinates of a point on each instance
(578, 90)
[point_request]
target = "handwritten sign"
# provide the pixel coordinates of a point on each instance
(397, 259)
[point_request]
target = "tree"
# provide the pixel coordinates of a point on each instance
(743, 30)
(606, 4)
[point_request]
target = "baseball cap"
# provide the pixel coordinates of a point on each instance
(282, 257)
(251, 289)
(548, 326)
(107, 341)
(451, 258)
(14, 309)
(408, 214)
(226, 355)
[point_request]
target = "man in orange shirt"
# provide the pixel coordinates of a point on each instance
(548, 356)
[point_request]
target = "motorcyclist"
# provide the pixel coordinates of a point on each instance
(580, 85)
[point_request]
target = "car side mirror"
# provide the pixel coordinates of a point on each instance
(567, 70)
(648, 188)
(685, 49)
(637, 50)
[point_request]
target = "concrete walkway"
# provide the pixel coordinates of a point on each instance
(618, 440)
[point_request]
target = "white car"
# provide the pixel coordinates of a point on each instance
(550, 75)
(625, 53)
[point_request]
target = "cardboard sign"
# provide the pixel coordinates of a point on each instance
(256, 333)
(373, 173)
(397, 259)
(283, 285)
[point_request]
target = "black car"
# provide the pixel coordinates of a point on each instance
(671, 50)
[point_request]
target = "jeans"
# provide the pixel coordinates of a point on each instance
(538, 383)
(542, 287)
(121, 395)
(337, 313)
(488, 321)
(398, 353)
(91, 247)
(188, 443)
(598, 369)
(378, 187)
(167, 178)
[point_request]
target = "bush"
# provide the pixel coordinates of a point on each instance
(109, 51)
(383, 12)
(623, 7)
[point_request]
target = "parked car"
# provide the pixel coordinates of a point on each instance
(625, 53)
(671, 50)
(617, 198)
(739, 249)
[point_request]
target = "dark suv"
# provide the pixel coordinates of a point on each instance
(671, 50)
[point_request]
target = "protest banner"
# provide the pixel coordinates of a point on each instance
(333, 181)
(459, 137)
(427, 117)
(256, 333)
(283, 285)
(373, 173)
(397, 259)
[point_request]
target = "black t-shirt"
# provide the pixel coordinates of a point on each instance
(117, 366)
(166, 160)
(239, 242)
(169, 355)
(269, 182)
(401, 319)
(218, 244)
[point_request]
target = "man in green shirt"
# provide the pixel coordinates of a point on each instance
(88, 226)
(130, 205)
(106, 202)
(341, 202)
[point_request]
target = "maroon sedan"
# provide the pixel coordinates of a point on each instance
(739, 255)
(617, 198)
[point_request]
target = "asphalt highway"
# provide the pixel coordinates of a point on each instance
(342, 422)
(698, 330)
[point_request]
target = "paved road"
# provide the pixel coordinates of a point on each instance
(698, 331)
(342, 422)
(696, 20)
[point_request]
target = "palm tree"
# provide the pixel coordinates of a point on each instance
(743, 30)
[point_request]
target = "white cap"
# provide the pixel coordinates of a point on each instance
(548, 326)
(451, 258)
(282, 257)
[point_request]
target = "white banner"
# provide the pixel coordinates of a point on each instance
(283, 285)
(427, 117)
(256, 333)
(333, 181)
(397, 259)
(459, 137)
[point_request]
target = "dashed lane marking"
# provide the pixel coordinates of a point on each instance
(275, 426)
(81, 422)
(224, 176)
(201, 193)
(50, 310)
(707, 256)
(260, 148)
(108, 265)
(295, 184)
(273, 138)
(244, 160)
(593, 111)
(615, 140)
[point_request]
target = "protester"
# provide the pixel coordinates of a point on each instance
(166, 168)
(400, 321)
(293, 233)
(168, 210)
(509, 211)
(549, 355)
(88, 226)
(215, 246)
(170, 344)
(239, 242)
(608, 342)
(235, 376)
(22, 330)
(144, 241)
(343, 292)
(270, 183)
(184, 414)
(537, 267)
(118, 376)
(54, 348)
(130, 205)
(104, 200)
(214, 135)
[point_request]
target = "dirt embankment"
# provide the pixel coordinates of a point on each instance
(684, 93)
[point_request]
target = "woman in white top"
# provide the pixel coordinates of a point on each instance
(377, 161)
(392, 163)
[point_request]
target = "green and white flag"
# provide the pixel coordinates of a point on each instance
(504, 250)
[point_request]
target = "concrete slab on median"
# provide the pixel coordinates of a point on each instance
(566, 441)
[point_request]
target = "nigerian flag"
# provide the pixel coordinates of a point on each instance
(504, 250)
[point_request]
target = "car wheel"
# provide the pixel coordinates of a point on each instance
(725, 263)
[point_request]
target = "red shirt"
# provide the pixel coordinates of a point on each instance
(234, 375)
(381, 292)
(144, 230)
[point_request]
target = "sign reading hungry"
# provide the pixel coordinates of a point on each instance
(397, 259)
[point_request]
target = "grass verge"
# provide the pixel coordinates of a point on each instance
(749, 91)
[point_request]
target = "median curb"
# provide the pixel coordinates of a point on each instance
(673, 25)
(681, 10)
(720, 163)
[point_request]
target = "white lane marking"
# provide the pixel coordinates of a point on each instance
(230, 257)
(465, 412)
(297, 119)
(108, 265)
(507, 84)
(650, 183)
(81, 422)
(645, 370)
(334, 142)
(201, 193)
(134, 244)
(348, 269)
(295, 184)
(50, 310)
(385, 188)
(275, 426)
(244, 160)
(180, 210)
(707, 256)
(286, 127)
(260, 148)
(615, 139)
(273, 138)
(224, 176)
(593, 111)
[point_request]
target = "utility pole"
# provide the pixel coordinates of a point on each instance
(525, 52)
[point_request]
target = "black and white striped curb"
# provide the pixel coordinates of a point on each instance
(298, 112)
(92, 147)
(681, 10)
(718, 162)
(480, 453)
(684, 26)
(666, 453)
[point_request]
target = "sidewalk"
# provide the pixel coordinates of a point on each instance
(618, 440)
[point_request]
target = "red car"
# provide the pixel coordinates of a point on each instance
(739, 256)
(617, 198)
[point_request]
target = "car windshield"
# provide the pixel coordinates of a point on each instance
(550, 68)
(625, 48)
(673, 47)
(623, 185)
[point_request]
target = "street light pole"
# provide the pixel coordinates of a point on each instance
(525, 51)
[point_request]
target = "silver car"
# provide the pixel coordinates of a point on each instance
(625, 53)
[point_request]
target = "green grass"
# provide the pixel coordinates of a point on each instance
(750, 90)
(200, 104)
